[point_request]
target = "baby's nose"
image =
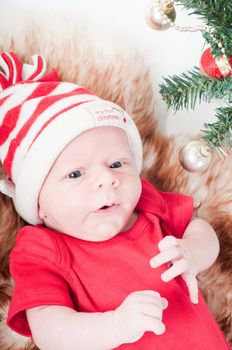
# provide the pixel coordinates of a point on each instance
(106, 178)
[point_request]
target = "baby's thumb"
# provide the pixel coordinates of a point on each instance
(192, 285)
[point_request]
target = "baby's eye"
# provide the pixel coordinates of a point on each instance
(117, 164)
(75, 174)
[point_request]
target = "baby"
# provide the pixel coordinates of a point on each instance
(108, 261)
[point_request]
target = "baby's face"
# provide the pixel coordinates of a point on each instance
(93, 187)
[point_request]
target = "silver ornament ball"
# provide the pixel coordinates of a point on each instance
(195, 156)
(160, 14)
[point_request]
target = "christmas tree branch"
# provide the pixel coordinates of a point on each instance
(214, 12)
(219, 134)
(217, 15)
(183, 91)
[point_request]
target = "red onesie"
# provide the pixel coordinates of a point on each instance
(51, 268)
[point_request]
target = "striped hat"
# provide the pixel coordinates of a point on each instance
(39, 116)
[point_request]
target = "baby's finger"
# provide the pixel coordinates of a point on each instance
(152, 324)
(192, 285)
(164, 303)
(177, 269)
(146, 296)
(167, 242)
(166, 256)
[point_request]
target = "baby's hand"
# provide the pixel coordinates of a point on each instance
(140, 312)
(176, 252)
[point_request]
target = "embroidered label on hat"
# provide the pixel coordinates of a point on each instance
(104, 112)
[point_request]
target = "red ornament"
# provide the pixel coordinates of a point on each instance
(219, 67)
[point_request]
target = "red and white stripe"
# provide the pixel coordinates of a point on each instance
(28, 106)
(13, 71)
(26, 120)
(36, 71)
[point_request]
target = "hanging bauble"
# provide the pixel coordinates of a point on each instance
(160, 14)
(195, 156)
(219, 67)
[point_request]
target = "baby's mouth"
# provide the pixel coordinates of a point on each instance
(107, 207)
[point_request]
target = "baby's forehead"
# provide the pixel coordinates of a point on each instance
(107, 139)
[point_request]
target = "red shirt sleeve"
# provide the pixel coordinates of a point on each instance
(40, 276)
(174, 210)
(179, 212)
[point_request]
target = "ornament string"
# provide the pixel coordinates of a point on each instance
(161, 15)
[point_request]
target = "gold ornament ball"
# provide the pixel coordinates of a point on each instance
(195, 156)
(160, 15)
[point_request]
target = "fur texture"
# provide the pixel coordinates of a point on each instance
(122, 76)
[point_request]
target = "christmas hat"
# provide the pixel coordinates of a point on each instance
(39, 116)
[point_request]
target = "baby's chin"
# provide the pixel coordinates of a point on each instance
(106, 230)
(101, 232)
